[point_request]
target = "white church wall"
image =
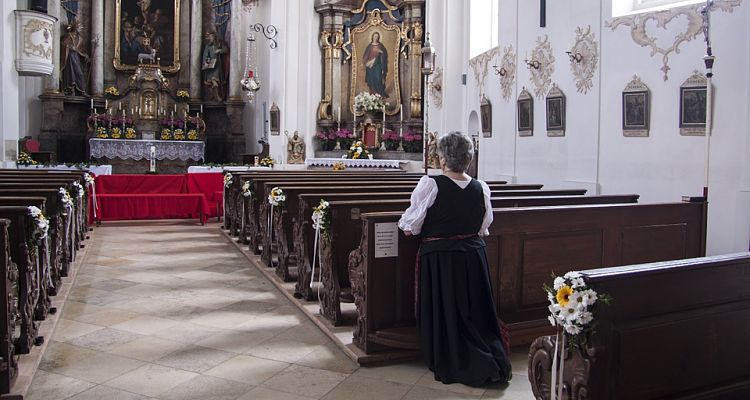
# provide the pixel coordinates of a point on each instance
(594, 154)
(9, 85)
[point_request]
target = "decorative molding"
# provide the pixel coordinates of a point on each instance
(696, 82)
(541, 77)
(508, 64)
(638, 26)
(636, 86)
(35, 43)
(479, 65)
(436, 88)
(588, 49)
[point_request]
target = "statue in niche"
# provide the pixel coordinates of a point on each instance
(212, 67)
(433, 161)
(72, 53)
(295, 149)
(376, 65)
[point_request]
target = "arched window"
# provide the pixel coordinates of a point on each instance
(483, 26)
(625, 7)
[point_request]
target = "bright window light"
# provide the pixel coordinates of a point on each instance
(483, 26)
(628, 7)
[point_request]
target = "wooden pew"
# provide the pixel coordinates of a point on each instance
(25, 256)
(8, 309)
(683, 335)
(525, 246)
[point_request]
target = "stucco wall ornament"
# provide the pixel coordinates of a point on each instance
(436, 88)
(584, 58)
(479, 65)
(541, 77)
(34, 43)
(508, 76)
(638, 27)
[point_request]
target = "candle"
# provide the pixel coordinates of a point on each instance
(401, 118)
(338, 117)
(201, 108)
(120, 105)
(92, 103)
(106, 104)
(175, 108)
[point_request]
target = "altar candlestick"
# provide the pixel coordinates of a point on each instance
(401, 125)
(201, 108)
(106, 104)
(175, 108)
(355, 124)
(382, 129)
(123, 119)
(171, 120)
(120, 105)
(92, 103)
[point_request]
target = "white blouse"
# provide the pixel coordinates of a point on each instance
(423, 198)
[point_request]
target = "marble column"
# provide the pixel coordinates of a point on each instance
(97, 47)
(52, 82)
(196, 45)
(237, 49)
(109, 51)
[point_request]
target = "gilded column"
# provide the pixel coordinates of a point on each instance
(97, 47)
(196, 41)
(52, 82)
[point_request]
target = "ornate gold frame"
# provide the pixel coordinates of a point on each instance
(375, 20)
(124, 67)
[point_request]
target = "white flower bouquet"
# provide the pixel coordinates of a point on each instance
(65, 199)
(227, 180)
(320, 216)
(571, 305)
(358, 151)
(276, 197)
(366, 102)
(246, 191)
(88, 178)
(40, 223)
(78, 190)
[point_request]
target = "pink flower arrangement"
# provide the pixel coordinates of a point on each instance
(412, 142)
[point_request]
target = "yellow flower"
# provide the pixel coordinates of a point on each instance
(563, 295)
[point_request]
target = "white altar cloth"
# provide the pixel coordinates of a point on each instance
(198, 169)
(131, 149)
(359, 163)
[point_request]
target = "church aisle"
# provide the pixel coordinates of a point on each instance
(171, 310)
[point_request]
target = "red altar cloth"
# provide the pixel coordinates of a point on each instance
(140, 184)
(211, 184)
(114, 207)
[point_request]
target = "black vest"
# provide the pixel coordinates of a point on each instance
(456, 211)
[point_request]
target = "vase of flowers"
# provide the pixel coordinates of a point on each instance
(345, 138)
(111, 92)
(116, 133)
(358, 151)
(327, 140)
(130, 133)
(412, 142)
(25, 159)
(182, 96)
(369, 104)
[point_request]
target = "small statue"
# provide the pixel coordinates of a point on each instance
(73, 56)
(433, 160)
(295, 149)
(212, 67)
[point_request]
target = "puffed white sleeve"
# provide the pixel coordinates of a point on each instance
(487, 221)
(422, 198)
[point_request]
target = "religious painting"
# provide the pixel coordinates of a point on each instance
(486, 117)
(375, 60)
(147, 32)
(525, 107)
(555, 112)
(635, 109)
(693, 107)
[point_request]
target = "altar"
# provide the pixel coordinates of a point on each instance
(134, 156)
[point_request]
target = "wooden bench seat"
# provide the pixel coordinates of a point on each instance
(673, 330)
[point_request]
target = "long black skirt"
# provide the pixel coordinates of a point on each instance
(459, 331)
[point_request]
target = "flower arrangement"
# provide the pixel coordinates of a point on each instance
(320, 217)
(25, 159)
(111, 92)
(327, 140)
(179, 134)
(65, 199)
(571, 306)
(412, 142)
(368, 102)
(116, 133)
(357, 151)
(171, 123)
(88, 178)
(78, 190)
(391, 140)
(183, 95)
(227, 180)
(130, 133)
(247, 189)
(266, 162)
(166, 134)
(192, 134)
(276, 197)
(101, 132)
(339, 166)
(345, 137)
(40, 223)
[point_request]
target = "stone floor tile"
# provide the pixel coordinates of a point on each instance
(305, 381)
(360, 388)
(104, 339)
(519, 388)
(329, 357)
(185, 332)
(204, 387)
(408, 373)
(282, 350)
(234, 341)
(247, 369)
(270, 394)
(47, 386)
(195, 358)
(424, 393)
(108, 284)
(250, 307)
(67, 329)
(428, 380)
(221, 319)
(107, 317)
(85, 364)
(145, 325)
(151, 380)
(147, 348)
(102, 392)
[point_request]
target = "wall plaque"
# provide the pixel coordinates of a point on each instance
(386, 240)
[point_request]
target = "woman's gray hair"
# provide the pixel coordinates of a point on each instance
(457, 150)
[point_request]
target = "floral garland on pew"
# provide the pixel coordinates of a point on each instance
(275, 198)
(321, 219)
(68, 208)
(247, 190)
(78, 201)
(90, 183)
(572, 305)
(38, 237)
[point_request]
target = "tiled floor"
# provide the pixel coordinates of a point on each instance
(171, 310)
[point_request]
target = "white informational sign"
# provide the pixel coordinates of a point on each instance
(386, 240)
